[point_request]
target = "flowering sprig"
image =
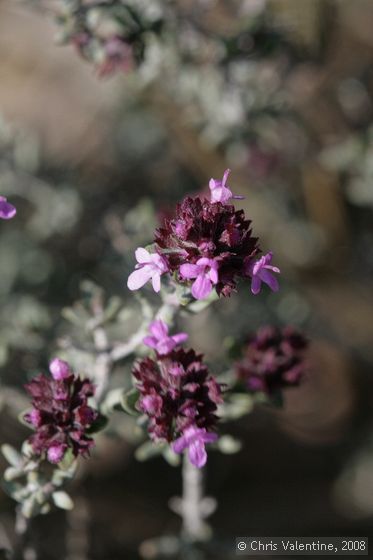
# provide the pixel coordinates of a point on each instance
(60, 414)
(178, 395)
(7, 210)
(273, 359)
(208, 242)
(112, 36)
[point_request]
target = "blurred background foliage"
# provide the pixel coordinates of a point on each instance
(92, 166)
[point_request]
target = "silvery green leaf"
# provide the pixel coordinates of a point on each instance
(171, 457)
(228, 445)
(196, 306)
(45, 509)
(12, 473)
(236, 405)
(129, 400)
(13, 457)
(30, 507)
(21, 418)
(112, 401)
(67, 461)
(62, 500)
(148, 450)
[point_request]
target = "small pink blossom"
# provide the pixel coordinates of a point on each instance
(56, 453)
(261, 271)
(205, 271)
(7, 211)
(220, 192)
(151, 404)
(149, 267)
(59, 369)
(194, 439)
(160, 340)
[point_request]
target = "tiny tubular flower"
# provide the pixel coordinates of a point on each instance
(160, 340)
(220, 192)
(150, 266)
(261, 271)
(7, 210)
(194, 439)
(205, 271)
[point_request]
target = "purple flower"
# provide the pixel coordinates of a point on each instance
(177, 392)
(194, 439)
(215, 232)
(150, 266)
(261, 271)
(60, 415)
(118, 57)
(272, 359)
(219, 191)
(206, 273)
(7, 211)
(56, 453)
(160, 340)
(59, 369)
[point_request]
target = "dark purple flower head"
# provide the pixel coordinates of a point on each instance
(60, 414)
(210, 242)
(7, 210)
(177, 393)
(273, 359)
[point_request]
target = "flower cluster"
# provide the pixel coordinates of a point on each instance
(178, 395)
(208, 242)
(273, 359)
(111, 35)
(7, 211)
(60, 414)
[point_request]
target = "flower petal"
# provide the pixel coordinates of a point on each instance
(156, 282)
(197, 454)
(139, 277)
(225, 177)
(268, 278)
(209, 437)
(202, 287)
(179, 338)
(189, 270)
(7, 211)
(180, 444)
(150, 341)
(256, 285)
(158, 328)
(142, 255)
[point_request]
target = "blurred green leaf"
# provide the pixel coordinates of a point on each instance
(62, 500)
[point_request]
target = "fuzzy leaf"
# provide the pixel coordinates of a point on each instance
(129, 400)
(12, 473)
(62, 500)
(13, 457)
(228, 445)
(171, 457)
(148, 450)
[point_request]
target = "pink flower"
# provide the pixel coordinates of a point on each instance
(160, 340)
(219, 191)
(56, 453)
(7, 211)
(149, 267)
(261, 271)
(59, 369)
(205, 271)
(194, 439)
